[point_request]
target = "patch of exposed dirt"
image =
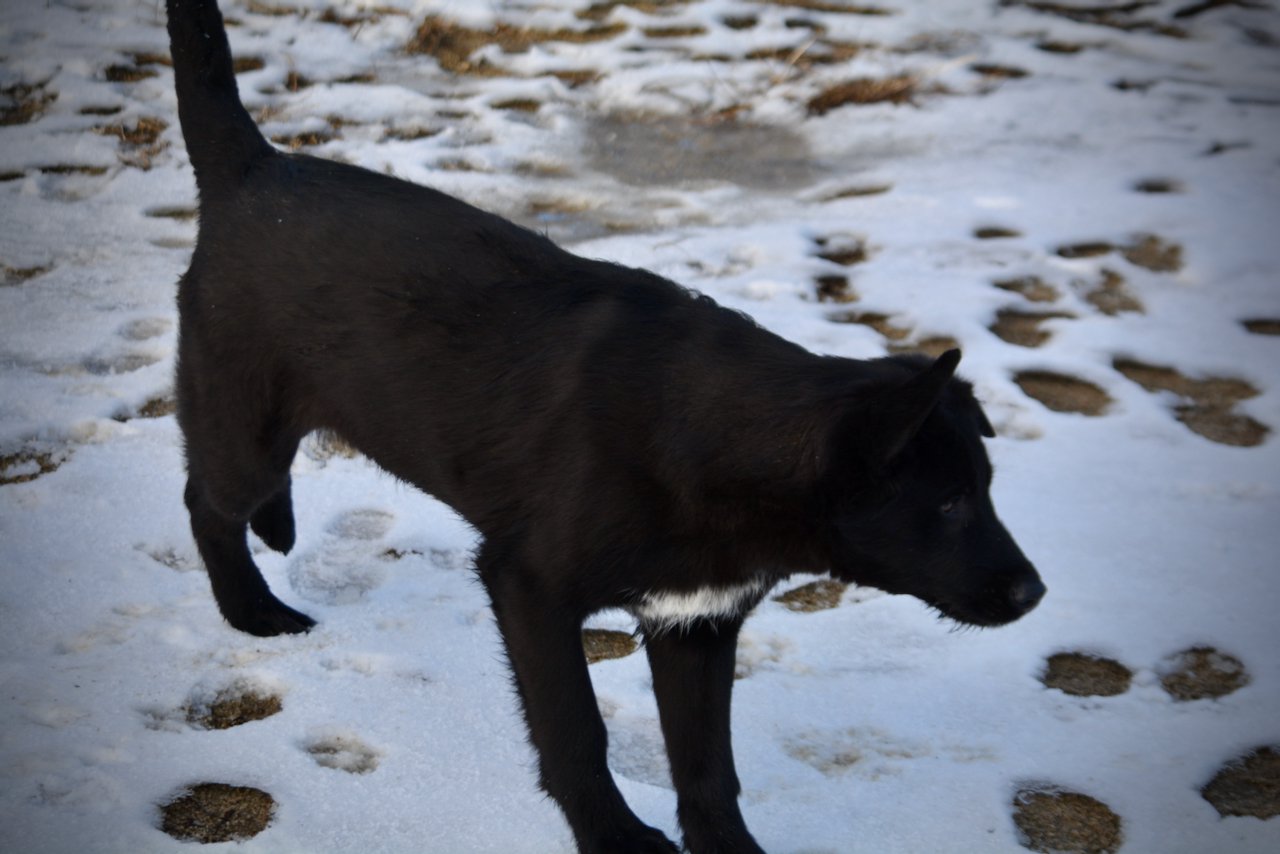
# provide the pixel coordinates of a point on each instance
(999, 72)
(122, 73)
(10, 276)
(898, 89)
(879, 322)
(820, 595)
(1262, 325)
(1082, 675)
(295, 141)
(1247, 785)
(933, 347)
(1089, 249)
(674, 31)
(28, 464)
(1023, 328)
(234, 706)
(1155, 254)
(140, 142)
(600, 644)
(1063, 393)
(217, 812)
(1111, 297)
(1060, 47)
(1208, 410)
(452, 44)
(857, 192)
(1057, 821)
(834, 288)
(1033, 288)
(521, 105)
(1120, 16)
(24, 102)
(995, 232)
(1201, 673)
(828, 6)
(601, 10)
(180, 213)
(843, 249)
(1159, 185)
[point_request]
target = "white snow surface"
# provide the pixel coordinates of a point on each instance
(870, 727)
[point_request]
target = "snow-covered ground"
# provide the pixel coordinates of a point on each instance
(866, 727)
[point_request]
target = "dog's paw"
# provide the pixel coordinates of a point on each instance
(273, 523)
(644, 840)
(270, 619)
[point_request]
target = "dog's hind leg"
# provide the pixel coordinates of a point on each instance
(238, 473)
(543, 638)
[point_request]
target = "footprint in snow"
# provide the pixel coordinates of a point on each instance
(343, 751)
(343, 569)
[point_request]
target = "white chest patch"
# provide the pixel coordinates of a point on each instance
(664, 610)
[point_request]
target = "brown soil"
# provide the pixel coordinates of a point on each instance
(740, 22)
(995, 232)
(522, 105)
(233, 707)
(182, 214)
(1083, 675)
(121, 73)
(18, 275)
(1032, 287)
(932, 347)
(856, 192)
(1154, 254)
(1120, 16)
(140, 143)
(600, 644)
(819, 595)
(1055, 820)
(1159, 185)
(23, 103)
(827, 6)
(879, 322)
(842, 250)
(1054, 46)
(1062, 393)
(599, 11)
(452, 44)
(1201, 673)
(1090, 249)
(1262, 325)
(1247, 785)
(674, 31)
(1002, 72)
(72, 169)
(1112, 297)
(217, 812)
(1209, 410)
(45, 462)
(299, 140)
(900, 89)
(835, 288)
(1023, 328)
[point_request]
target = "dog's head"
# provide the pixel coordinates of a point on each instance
(911, 508)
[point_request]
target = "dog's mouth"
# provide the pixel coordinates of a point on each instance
(996, 605)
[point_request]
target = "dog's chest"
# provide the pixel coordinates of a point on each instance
(666, 609)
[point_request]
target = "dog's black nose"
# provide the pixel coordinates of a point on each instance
(1026, 593)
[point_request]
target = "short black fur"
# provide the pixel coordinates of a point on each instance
(616, 440)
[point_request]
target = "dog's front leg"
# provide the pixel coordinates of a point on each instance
(693, 681)
(544, 645)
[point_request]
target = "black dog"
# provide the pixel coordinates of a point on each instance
(616, 440)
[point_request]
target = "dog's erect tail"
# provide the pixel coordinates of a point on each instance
(222, 140)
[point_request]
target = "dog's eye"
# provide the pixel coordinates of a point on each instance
(951, 505)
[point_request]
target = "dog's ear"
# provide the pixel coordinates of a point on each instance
(895, 416)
